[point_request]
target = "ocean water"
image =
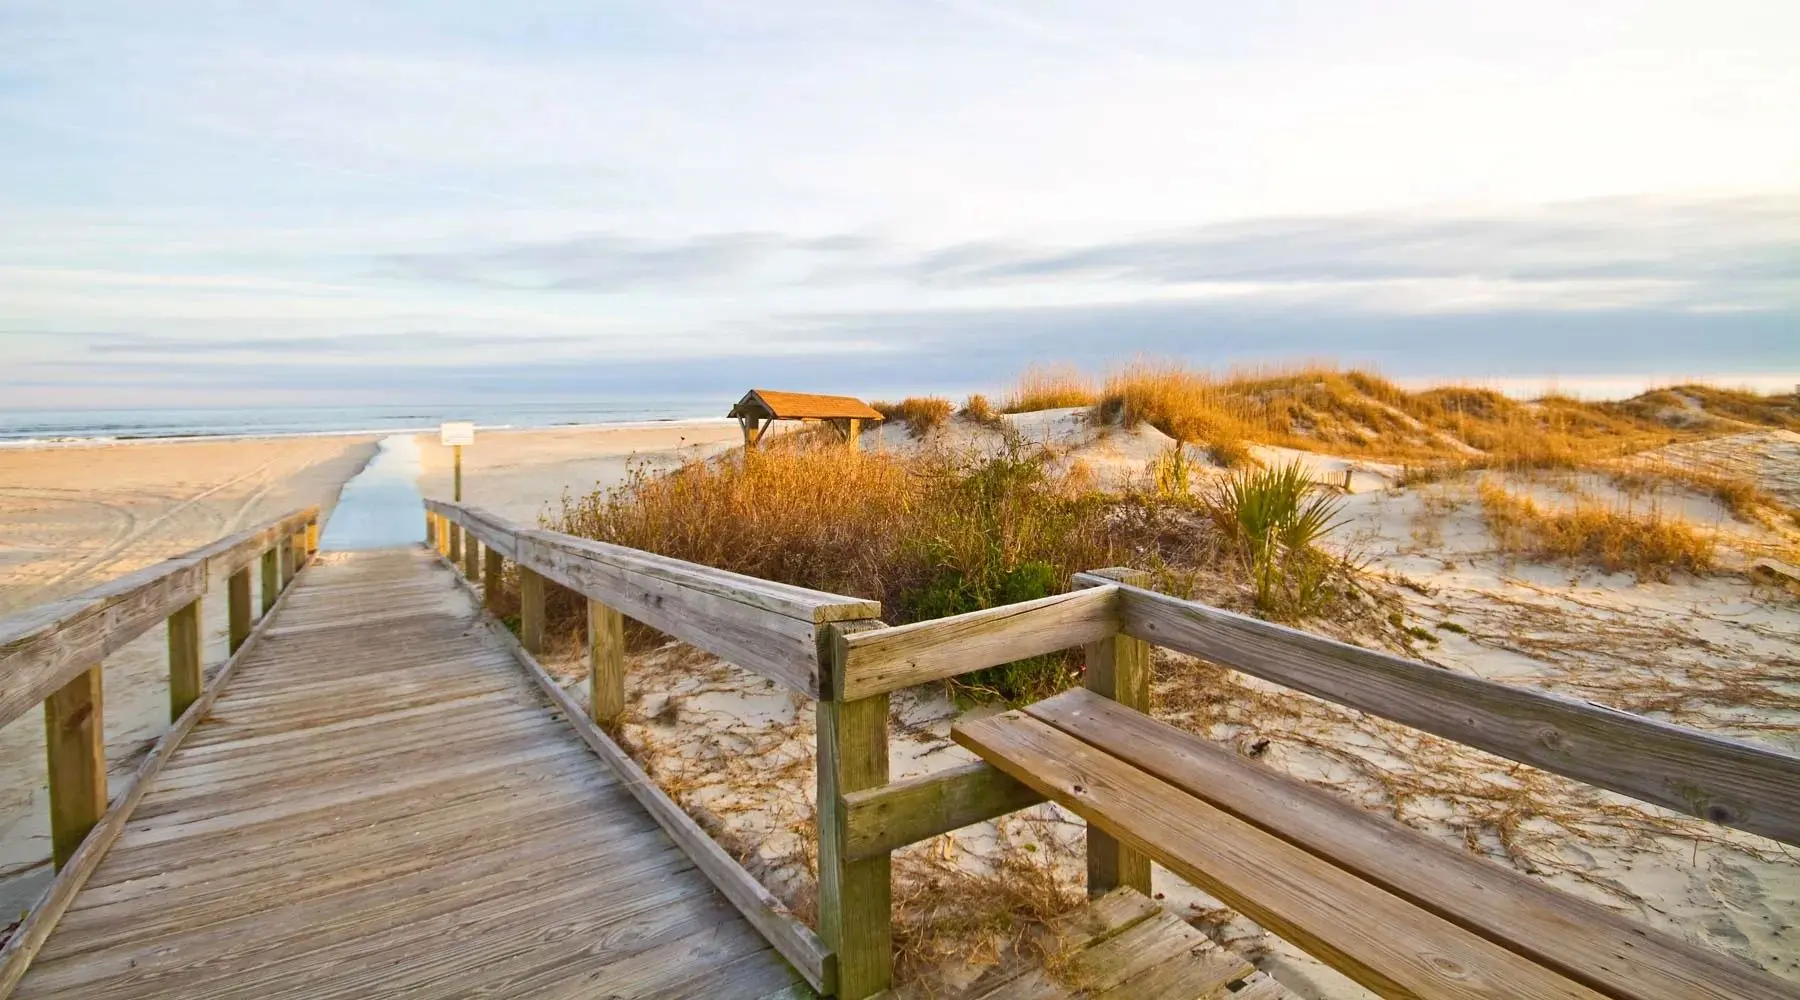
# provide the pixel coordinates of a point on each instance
(25, 428)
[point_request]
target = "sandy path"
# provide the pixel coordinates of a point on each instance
(73, 517)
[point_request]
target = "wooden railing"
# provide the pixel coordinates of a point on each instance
(832, 649)
(54, 654)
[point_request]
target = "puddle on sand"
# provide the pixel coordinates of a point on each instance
(380, 507)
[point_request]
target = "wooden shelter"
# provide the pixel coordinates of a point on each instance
(761, 407)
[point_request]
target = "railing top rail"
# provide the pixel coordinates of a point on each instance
(1727, 781)
(771, 628)
(43, 647)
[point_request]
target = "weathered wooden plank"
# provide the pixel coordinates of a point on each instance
(531, 609)
(237, 608)
(888, 659)
(35, 928)
(884, 818)
(855, 896)
(606, 665)
(796, 942)
(1118, 667)
(185, 653)
(1587, 943)
(270, 584)
(1727, 781)
(1377, 939)
(43, 649)
(492, 567)
(790, 601)
(75, 746)
(776, 646)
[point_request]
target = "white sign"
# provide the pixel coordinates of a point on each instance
(456, 432)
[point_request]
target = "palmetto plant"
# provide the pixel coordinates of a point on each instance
(1275, 515)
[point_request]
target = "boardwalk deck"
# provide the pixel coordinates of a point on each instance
(380, 803)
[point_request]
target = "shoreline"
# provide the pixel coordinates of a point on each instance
(34, 444)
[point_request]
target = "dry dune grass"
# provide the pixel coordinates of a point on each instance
(1320, 407)
(1050, 387)
(1650, 543)
(920, 414)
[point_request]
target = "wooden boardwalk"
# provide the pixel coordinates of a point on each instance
(380, 803)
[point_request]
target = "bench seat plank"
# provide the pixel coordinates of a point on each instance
(1374, 937)
(1584, 941)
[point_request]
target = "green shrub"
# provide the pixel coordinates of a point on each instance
(1275, 516)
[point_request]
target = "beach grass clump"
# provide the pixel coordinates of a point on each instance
(977, 409)
(1738, 494)
(1050, 387)
(1650, 542)
(920, 414)
(1276, 517)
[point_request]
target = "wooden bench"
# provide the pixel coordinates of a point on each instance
(1401, 913)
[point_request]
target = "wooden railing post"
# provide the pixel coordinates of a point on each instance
(855, 897)
(285, 546)
(456, 540)
(312, 537)
(75, 750)
(606, 665)
(237, 606)
(271, 577)
(492, 566)
(430, 529)
(471, 557)
(531, 610)
(1118, 668)
(185, 648)
(297, 543)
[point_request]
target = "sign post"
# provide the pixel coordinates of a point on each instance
(455, 434)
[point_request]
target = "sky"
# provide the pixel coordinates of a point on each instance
(355, 202)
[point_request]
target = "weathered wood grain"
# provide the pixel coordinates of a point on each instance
(779, 647)
(75, 748)
(878, 820)
(606, 665)
(270, 584)
(493, 568)
(1727, 781)
(888, 659)
(1118, 668)
(531, 609)
(185, 653)
(794, 940)
(237, 608)
(305, 840)
(1587, 943)
(855, 896)
(43, 916)
(783, 599)
(1377, 939)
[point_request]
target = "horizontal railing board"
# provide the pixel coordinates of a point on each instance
(778, 647)
(1727, 781)
(42, 648)
(769, 628)
(888, 659)
(878, 820)
(814, 606)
